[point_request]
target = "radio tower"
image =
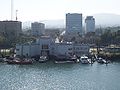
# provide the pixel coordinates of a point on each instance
(16, 15)
(11, 9)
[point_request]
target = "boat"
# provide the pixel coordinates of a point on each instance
(75, 59)
(20, 61)
(90, 61)
(106, 61)
(101, 60)
(84, 59)
(1, 59)
(66, 59)
(43, 59)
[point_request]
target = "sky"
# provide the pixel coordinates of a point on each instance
(36, 10)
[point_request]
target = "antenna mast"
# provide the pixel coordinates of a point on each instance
(16, 15)
(11, 9)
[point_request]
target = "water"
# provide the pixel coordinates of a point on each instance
(49, 76)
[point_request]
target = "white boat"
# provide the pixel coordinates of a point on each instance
(43, 59)
(84, 59)
(101, 60)
(90, 61)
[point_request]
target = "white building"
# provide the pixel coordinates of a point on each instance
(42, 46)
(89, 24)
(38, 29)
(47, 46)
(63, 49)
(74, 23)
(27, 49)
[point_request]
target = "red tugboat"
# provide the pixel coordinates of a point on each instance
(20, 62)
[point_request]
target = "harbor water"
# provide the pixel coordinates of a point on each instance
(50, 76)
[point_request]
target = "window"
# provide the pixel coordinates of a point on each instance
(17, 49)
(69, 48)
(44, 46)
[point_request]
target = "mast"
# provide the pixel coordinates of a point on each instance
(11, 9)
(16, 15)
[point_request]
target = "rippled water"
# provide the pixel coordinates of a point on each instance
(49, 76)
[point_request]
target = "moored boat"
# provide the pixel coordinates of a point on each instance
(1, 59)
(75, 59)
(43, 59)
(84, 59)
(90, 61)
(66, 59)
(19, 61)
(101, 60)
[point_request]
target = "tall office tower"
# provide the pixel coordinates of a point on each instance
(38, 29)
(11, 29)
(74, 23)
(89, 24)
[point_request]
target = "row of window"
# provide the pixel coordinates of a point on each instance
(45, 47)
(80, 48)
(81, 52)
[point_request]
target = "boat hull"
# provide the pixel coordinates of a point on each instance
(64, 62)
(20, 62)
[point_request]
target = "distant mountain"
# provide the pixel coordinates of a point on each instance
(102, 19)
(55, 23)
(48, 23)
(107, 19)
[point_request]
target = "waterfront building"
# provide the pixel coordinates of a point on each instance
(63, 49)
(89, 24)
(27, 50)
(73, 24)
(38, 29)
(45, 45)
(111, 49)
(81, 49)
(11, 29)
(42, 46)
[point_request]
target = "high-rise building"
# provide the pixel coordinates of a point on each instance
(89, 24)
(11, 28)
(38, 29)
(73, 23)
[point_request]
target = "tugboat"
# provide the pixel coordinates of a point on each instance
(19, 61)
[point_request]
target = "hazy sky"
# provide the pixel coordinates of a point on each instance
(55, 9)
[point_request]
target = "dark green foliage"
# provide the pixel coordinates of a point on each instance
(110, 38)
(10, 40)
